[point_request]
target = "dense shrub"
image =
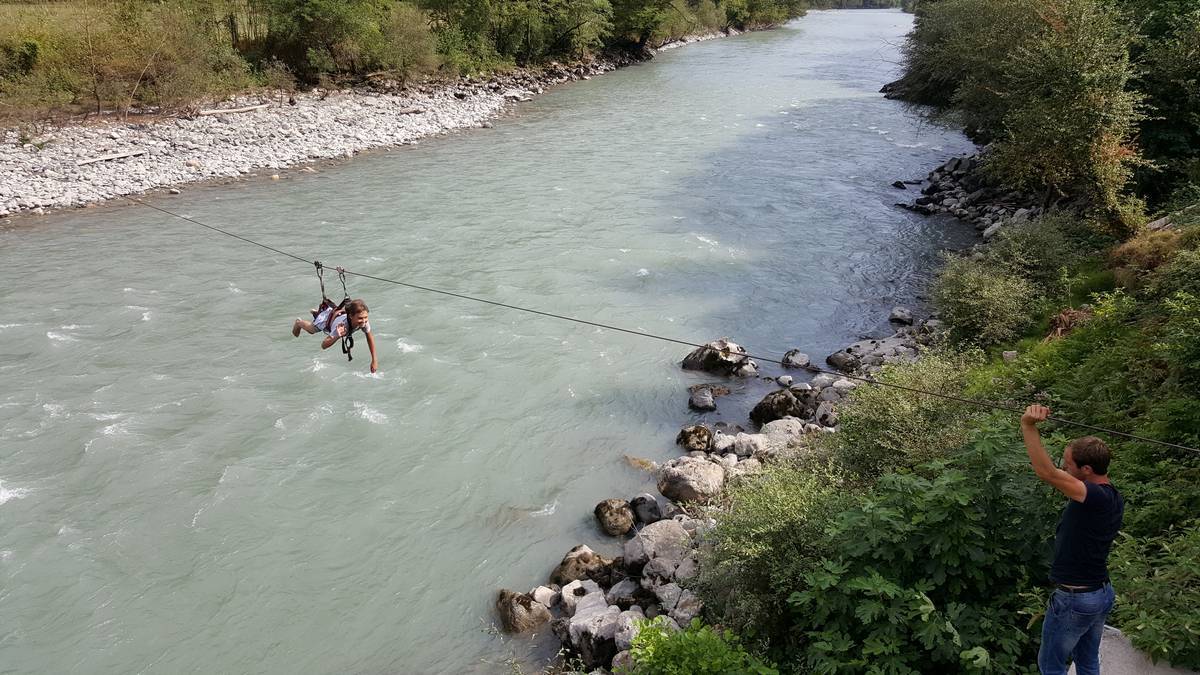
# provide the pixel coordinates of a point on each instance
(984, 304)
(1046, 249)
(695, 650)
(928, 575)
(769, 534)
(1158, 582)
(886, 428)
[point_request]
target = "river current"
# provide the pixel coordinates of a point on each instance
(185, 488)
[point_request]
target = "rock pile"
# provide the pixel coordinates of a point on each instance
(959, 188)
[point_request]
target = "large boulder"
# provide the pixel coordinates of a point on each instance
(624, 594)
(695, 438)
(580, 562)
(627, 628)
(593, 630)
(689, 479)
(519, 612)
(721, 357)
(782, 403)
(615, 516)
(665, 539)
(748, 445)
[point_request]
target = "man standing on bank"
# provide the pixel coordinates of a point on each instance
(1082, 596)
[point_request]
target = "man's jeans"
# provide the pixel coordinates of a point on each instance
(1074, 622)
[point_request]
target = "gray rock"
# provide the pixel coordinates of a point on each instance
(844, 361)
(623, 661)
(519, 612)
(901, 315)
(593, 630)
(615, 516)
(702, 400)
(795, 358)
(574, 591)
(688, 479)
(645, 509)
(823, 380)
(546, 595)
(663, 539)
(622, 594)
(784, 380)
(748, 445)
(627, 630)
(721, 443)
(829, 395)
(991, 231)
(826, 415)
(687, 607)
(695, 438)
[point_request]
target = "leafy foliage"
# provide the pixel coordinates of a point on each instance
(928, 573)
(883, 428)
(767, 537)
(1159, 582)
(985, 304)
(696, 650)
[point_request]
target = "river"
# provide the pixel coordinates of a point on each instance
(186, 488)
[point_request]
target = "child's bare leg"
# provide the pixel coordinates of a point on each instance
(301, 324)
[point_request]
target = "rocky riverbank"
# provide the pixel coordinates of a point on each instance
(78, 165)
(593, 604)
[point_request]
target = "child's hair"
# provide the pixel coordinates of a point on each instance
(355, 307)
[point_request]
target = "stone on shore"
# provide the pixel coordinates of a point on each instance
(695, 438)
(519, 612)
(593, 630)
(901, 316)
(572, 592)
(546, 595)
(580, 562)
(781, 403)
(795, 358)
(645, 509)
(615, 516)
(664, 539)
(688, 479)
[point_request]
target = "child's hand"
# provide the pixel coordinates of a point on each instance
(374, 366)
(341, 330)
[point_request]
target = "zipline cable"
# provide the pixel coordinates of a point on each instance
(562, 317)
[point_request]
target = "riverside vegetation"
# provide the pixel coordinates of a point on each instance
(916, 539)
(77, 56)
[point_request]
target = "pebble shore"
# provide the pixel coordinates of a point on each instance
(41, 171)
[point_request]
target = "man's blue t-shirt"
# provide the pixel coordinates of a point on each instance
(1085, 535)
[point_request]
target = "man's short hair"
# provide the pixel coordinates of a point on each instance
(1091, 451)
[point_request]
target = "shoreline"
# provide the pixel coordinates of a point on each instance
(65, 167)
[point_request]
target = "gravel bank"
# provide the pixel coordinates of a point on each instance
(43, 171)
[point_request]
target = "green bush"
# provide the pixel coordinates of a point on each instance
(1181, 336)
(696, 650)
(934, 574)
(984, 304)
(1071, 116)
(767, 536)
(1045, 250)
(886, 428)
(1158, 585)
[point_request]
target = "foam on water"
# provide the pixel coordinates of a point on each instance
(60, 337)
(407, 348)
(546, 510)
(369, 414)
(8, 494)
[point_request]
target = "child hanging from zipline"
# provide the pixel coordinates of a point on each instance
(339, 321)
